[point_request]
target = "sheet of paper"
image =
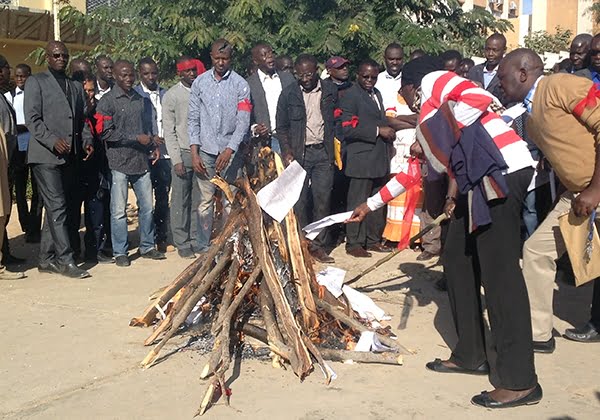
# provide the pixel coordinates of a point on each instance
(278, 197)
(315, 228)
(364, 305)
(368, 341)
(333, 279)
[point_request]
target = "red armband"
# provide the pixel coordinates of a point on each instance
(100, 122)
(352, 122)
(337, 113)
(245, 105)
(589, 101)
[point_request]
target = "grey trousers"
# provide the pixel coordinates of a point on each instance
(185, 198)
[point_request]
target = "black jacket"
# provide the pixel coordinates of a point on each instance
(476, 75)
(367, 155)
(260, 110)
(291, 119)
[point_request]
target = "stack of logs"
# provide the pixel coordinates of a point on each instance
(257, 279)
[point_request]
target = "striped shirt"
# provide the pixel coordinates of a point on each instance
(219, 112)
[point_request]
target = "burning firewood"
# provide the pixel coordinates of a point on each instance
(257, 279)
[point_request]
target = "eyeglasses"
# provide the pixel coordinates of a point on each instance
(59, 55)
(305, 75)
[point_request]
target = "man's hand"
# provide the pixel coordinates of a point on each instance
(416, 150)
(449, 206)
(154, 156)
(359, 213)
(198, 165)
(402, 122)
(62, 147)
(387, 133)
(287, 158)
(223, 160)
(179, 170)
(158, 140)
(144, 139)
(261, 130)
(89, 151)
(586, 202)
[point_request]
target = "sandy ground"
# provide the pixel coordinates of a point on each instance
(68, 353)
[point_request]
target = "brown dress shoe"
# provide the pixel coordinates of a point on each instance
(358, 253)
(320, 255)
(379, 248)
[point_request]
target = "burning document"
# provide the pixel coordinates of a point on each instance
(279, 196)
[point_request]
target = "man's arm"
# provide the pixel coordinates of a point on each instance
(244, 108)
(283, 123)
(169, 122)
(34, 119)
(106, 128)
(194, 129)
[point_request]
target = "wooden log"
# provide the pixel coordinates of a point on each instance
(233, 222)
(223, 328)
(267, 310)
(300, 358)
(195, 293)
(328, 354)
(308, 307)
(228, 292)
(354, 324)
(167, 293)
(223, 186)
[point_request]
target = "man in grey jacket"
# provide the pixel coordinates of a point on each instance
(175, 106)
(54, 114)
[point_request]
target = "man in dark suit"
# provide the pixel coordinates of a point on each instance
(266, 85)
(367, 140)
(306, 125)
(579, 54)
(54, 114)
(485, 74)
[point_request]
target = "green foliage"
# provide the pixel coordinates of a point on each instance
(165, 29)
(594, 9)
(542, 41)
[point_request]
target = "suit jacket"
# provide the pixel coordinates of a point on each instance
(291, 119)
(476, 75)
(8, 124)
(49, 116)
(367, 155)
(152, 114)
(584, 73)
(260, 110)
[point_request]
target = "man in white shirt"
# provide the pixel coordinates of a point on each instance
(30, 218)
(160, 170)
(104, 76)
(266, 85)
(388, 81)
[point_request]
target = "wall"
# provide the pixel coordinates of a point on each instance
(47, 4)
(563, 13)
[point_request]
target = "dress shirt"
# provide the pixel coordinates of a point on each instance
(155, 99)
(124, 117)
(17, 103)
(272, 88)
(389, 87)
(488, 75)
(315, 126)
(219, 112)
(101, 92)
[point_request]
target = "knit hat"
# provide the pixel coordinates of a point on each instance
(414, 71)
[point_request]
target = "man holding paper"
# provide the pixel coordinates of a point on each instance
(564, 122)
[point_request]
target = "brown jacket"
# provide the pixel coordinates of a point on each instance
(567, 140)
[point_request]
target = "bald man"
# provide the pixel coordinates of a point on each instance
(54, 115)
(578, 53)
(566, 128)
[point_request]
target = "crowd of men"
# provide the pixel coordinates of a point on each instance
(84, 134)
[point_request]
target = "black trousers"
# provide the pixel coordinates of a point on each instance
(595, 319)
(315, 199)
(369, 231)
(160, 174)
(490, 258)
(57, 187)
(30, 218)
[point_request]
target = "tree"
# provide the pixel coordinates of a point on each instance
(594, 9)
(165, 29)
(542, 41)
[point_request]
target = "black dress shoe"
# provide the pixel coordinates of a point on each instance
(122, 261)
(586, 334)
(104, 259)
(438, 366)
(153, 254)
(48, 267)
(426, 256)
(186, 253)
(74, 272)
(484, 399)
(379, 248)
(544, 346)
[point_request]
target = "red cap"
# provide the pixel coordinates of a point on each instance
(336, 62)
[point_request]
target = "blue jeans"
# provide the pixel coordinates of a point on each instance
(530, 216)
(207, 191)
(142, 187)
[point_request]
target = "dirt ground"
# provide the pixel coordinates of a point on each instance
(67, 352)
